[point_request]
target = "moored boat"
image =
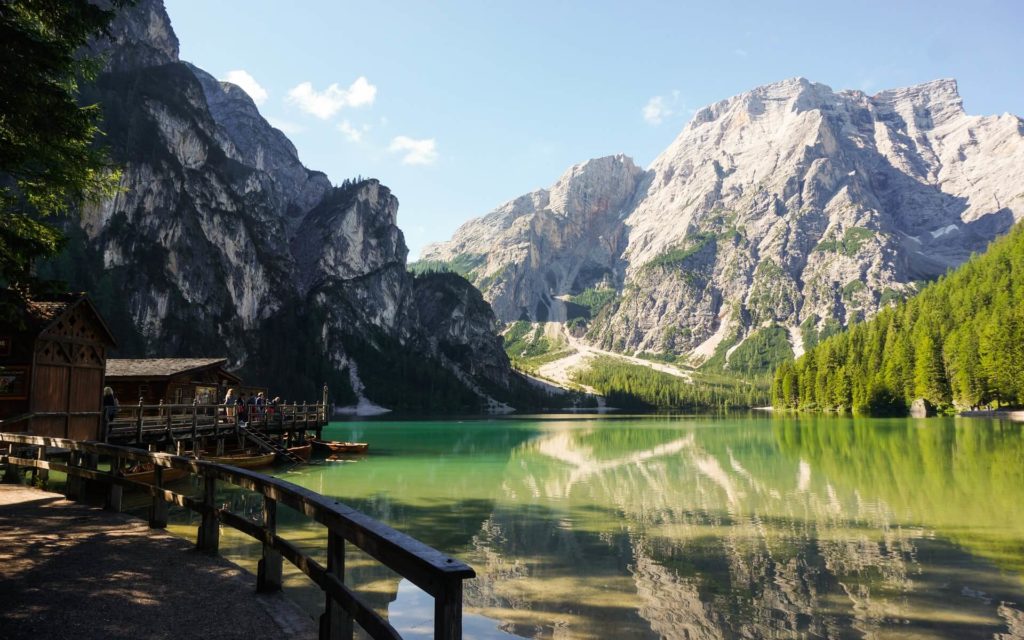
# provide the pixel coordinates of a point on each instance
(336, 447)
(304, 451)
(245, 460)
(147, 474)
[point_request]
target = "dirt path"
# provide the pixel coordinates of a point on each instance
(72, 571)
(560, 371)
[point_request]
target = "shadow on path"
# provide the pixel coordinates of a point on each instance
(72, 571)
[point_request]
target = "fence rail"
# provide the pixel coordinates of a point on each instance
(436, 573)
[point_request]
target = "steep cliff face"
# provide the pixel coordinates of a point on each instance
(457, 310)
(788, 205)
(529, 254)
(222, 242)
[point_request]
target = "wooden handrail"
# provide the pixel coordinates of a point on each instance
(438, 574)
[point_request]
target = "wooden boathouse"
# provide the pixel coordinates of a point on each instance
(170, 380)
(53, 354)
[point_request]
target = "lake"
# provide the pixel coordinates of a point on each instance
(692, 527)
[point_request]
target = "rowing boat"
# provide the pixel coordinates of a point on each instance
(304, 451)
(245, 460)
(334, 446)
(147, 474)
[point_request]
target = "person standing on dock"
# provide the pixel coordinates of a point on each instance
(229, 403)
(109, 405)
(243, 409)
(261, 404)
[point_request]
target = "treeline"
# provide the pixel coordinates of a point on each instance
(637, 388)
(958, 343)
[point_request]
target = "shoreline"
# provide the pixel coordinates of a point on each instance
(1014, 415)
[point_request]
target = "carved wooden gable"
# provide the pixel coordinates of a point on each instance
(75, 338)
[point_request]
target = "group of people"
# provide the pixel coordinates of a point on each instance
(250, 405)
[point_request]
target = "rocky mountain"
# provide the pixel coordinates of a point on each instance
(222, 243)
(782, 212)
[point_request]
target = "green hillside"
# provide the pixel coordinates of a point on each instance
(958, 343)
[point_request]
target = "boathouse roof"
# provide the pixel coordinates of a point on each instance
(153, 368)
(34, 316)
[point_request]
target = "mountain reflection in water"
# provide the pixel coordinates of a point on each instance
(695, 528)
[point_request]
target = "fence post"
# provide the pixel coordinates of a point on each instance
(209, 529)
(268, 573)
(158, 510)
(448, 611)
(44, 474)
(115, 492)
(335, 623)
(12, 475)
(138, 425)
(73, 484)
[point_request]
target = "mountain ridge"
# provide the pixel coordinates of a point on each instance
(788, 205)
(221, 241)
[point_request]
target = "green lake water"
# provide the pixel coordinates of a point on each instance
(753, 527)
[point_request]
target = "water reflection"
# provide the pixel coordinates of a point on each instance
(750, 528)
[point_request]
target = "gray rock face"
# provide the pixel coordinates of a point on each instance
(222, 243)
(790, 204)
(550, 243)
(456, 310)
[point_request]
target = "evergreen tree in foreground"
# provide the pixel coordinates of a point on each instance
(959, 343)
(48, 159)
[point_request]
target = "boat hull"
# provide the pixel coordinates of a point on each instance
(170, 474)
(303, 451)
(335, 447)
(246, 462)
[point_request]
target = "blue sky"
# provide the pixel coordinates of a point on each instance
(460, 106)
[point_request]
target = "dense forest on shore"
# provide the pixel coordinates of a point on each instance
(959, 343)
(636, 388)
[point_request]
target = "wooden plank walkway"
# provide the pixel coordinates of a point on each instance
(68, 570)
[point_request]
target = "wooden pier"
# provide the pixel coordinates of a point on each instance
(102, 464)
(171, 424)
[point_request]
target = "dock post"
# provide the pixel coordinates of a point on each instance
(195, 424)
(209, 529)
(158, 510)
(138, 425)
(169, 424)
(336, 622)
(115, 492)
(268, 573)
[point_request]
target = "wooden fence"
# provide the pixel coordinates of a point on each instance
(437, 574)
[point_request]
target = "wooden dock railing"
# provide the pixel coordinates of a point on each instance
(144, 423)
(438, 574)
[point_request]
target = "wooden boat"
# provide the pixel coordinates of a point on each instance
(146, 473)
(245, 460)
(304, 451)
(336, 447)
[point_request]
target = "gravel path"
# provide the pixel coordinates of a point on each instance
(72, 571)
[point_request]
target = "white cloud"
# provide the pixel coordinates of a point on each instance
(285, 125)
(352, 133)
(661, 108)
(248, 84)
(416, 151)
(743, 53)
(324, 104)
